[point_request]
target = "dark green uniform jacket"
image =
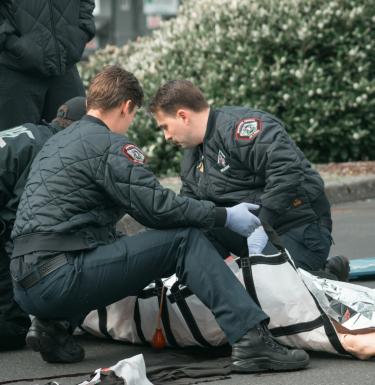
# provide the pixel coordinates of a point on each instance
(18, 147)
(247, 156)
(84, 180)
(44, 37)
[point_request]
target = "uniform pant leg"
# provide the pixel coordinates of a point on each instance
(226, 242)
(112, 272)
(309, 246)
(61, 89)
(21, 98)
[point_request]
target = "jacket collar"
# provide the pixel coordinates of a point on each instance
(210, 124)
(93, 119)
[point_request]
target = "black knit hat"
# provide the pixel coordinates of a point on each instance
(74, 109)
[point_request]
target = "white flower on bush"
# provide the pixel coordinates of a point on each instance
(356, 136)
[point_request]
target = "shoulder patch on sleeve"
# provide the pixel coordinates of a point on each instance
(133, 153)
(248, 128)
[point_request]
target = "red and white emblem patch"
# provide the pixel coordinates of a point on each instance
(134, 153)
(248, 129)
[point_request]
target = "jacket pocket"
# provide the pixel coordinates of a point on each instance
(60, 284)
(26, 53)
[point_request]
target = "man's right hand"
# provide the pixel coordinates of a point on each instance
(241, 220)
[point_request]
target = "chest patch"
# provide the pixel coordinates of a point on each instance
(134, 153)
(221, 159)
(248, 129)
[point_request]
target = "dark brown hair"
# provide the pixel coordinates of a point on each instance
(62, 122)
(178, 94)
(113, 86)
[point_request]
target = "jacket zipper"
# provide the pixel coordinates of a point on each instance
(54, 35)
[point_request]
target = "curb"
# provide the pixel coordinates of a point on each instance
(352, 189)
(345, 189)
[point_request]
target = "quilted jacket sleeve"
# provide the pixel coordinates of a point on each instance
(135, 188)
(186, 190)
(272, 156)
(86, 18)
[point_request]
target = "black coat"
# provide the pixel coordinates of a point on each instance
(84, 180)
(247, 156)
(44, 37)
(18, 148)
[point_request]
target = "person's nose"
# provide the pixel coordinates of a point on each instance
(167, 135)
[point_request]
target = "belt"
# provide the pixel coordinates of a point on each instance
(42, 271)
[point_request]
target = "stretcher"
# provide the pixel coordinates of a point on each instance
(362, 268)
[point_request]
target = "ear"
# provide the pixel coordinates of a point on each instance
(183, 114)
(127, 107)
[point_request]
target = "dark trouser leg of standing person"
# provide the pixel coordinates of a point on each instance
(60, 89)
(129, 264)
(14, 323)
(21, 98)
(26, 98)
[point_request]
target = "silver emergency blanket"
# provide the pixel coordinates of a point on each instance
(352, 306)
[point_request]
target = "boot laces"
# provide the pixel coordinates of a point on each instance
(270, 341)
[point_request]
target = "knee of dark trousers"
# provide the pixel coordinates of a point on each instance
(308, 245)
(193, 246)
(186, 238)
(227, 242)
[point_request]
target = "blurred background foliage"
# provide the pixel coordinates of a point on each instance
(309, 62)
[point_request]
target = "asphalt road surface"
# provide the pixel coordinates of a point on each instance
(354, 235)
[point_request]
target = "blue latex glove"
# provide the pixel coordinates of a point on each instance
(241, 220)
(257, 241)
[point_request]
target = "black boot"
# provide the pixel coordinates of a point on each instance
(338, 266)
(258, 351)
(54, 341)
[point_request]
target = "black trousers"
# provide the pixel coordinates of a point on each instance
(26, 98)
(14, 322)
(99, 277)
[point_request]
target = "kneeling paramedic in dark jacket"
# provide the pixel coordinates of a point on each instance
(239, 154)
(68, 259)
(18, 148)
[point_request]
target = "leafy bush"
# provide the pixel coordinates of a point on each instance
(309, 62)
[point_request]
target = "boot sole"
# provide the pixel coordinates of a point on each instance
(39, 341)
(46, 346)
(260, 364)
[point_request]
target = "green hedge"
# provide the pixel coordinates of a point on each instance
(309, 62)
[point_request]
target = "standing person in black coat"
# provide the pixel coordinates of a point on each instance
(18, 147)
(40, 43)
